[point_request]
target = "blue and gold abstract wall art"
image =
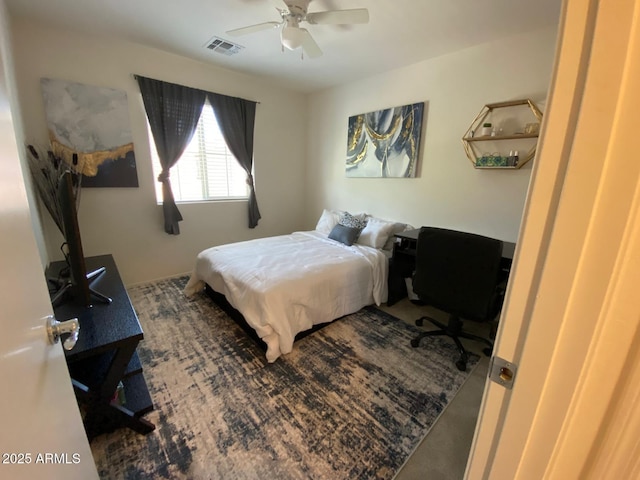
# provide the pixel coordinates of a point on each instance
(385, 143)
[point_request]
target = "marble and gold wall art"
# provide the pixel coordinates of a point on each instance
(385, 143)
(89, 126)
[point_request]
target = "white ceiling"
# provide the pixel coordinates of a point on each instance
(399, 32)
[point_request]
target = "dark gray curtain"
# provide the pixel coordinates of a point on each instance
(173, 112)
(236, 119)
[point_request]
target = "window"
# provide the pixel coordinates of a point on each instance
(207, 169)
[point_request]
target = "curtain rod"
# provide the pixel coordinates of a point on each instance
(135, 75)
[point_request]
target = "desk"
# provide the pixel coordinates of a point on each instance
(403, 261)
(105, 355)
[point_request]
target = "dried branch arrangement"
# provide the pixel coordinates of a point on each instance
(46, 170)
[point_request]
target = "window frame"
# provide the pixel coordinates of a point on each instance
(201, 163)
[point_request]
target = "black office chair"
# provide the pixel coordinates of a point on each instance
(458, 273)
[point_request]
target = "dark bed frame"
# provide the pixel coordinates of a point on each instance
(237, 317)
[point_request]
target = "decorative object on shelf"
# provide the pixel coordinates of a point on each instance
(513, 159)
(509, 124)
(491, 160)
(532, 128)
(93, 124)
(385, 143)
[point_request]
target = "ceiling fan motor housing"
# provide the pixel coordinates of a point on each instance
(297, 8)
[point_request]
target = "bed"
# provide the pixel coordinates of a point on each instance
(287, 284)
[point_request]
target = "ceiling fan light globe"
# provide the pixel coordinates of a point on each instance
(292, 37)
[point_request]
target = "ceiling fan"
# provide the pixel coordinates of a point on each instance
(294, 12)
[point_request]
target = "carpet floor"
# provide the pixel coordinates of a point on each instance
(352, 401)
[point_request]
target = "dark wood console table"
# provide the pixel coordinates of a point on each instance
(403, 261)
(105, 355)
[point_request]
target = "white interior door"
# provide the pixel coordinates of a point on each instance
(42, 435)
(572, 316)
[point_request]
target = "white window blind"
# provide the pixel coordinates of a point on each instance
(207, 169)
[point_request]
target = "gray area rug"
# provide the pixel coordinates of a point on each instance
(352, 401)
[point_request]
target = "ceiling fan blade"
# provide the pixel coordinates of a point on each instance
(339, 17)
(280, 5)
(252, 28)
(309, 45)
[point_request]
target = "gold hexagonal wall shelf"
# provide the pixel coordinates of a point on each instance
(509, 129)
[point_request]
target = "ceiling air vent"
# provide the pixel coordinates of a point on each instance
(223, 46)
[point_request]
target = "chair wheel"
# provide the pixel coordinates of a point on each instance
(415, 342)
(487, 351)
(420, 322)
(462, 365)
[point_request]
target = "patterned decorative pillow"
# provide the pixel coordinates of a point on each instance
(353, 221)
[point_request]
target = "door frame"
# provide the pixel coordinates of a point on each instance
(570, 319)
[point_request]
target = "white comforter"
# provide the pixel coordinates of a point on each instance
(286, 284)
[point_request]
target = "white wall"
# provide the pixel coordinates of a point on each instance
(448, 192)
(126, 221)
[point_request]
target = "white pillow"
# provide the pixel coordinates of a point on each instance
(377, 232)
(328, 220)
(400, 227)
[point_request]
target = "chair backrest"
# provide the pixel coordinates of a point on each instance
(458, 272)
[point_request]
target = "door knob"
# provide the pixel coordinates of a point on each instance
(56, 329)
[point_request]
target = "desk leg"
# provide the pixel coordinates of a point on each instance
(101, 414)
(107, 418)
(397, 288)
(116, 370)
(129, 419)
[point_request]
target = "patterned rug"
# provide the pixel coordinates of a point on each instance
(352, 401)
